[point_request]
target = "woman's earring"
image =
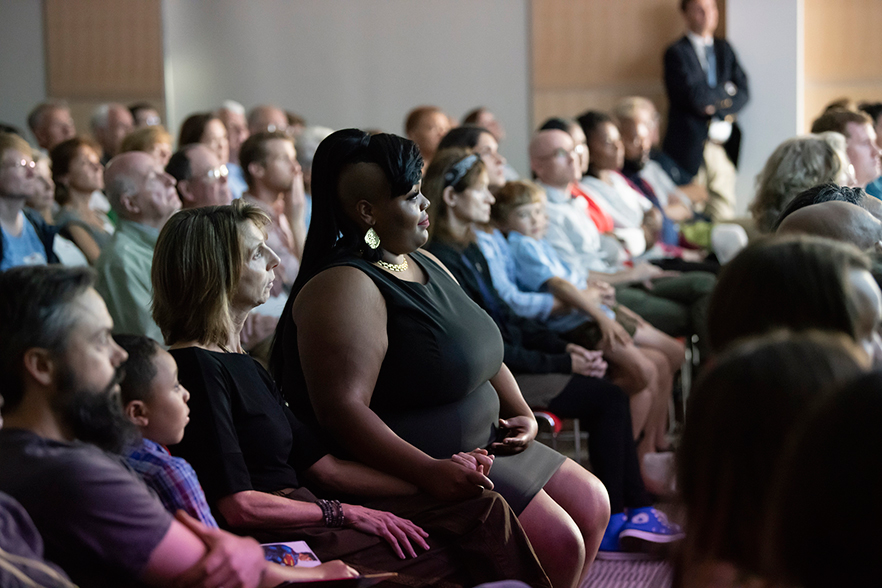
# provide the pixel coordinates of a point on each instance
(372, 238)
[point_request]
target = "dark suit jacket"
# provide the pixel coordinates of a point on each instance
(690, 95)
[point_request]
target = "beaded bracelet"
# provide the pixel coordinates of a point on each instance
(332, 512)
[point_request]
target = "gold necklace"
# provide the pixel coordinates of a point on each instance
(392, 267)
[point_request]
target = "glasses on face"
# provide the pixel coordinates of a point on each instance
(216, 174)
(580, 149)
(20, 163)
(288, 130)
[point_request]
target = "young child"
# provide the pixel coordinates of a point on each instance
(155, 401)
(642, 359)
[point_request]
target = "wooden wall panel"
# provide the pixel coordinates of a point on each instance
(103, 49)
(842, 48)
(591, 53)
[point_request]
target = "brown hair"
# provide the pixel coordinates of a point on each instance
(144, 139)
(434, 184)
(416, 115)
(253, 150)
(837, 119)
(196, 267)
(512, 195)
(62, 155)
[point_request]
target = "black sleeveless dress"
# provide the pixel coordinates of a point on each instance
(433, 388)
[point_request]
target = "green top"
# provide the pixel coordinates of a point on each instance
(124, 279)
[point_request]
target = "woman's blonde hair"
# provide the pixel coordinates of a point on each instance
(144, 139)
(439, 176)
(196, 268)
(512, 195)
(795, 166)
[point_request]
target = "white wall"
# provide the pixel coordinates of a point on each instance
(768, 38)
(22, 68)
(344, 63)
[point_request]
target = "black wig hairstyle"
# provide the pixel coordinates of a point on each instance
(332, 233)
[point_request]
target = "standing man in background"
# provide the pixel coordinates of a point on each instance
(706, 89)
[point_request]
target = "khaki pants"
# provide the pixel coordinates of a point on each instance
(718, 175)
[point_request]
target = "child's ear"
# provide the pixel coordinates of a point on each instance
(138, 413)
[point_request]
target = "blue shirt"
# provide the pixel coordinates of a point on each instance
(173, 480)
(536, 262)
(532, 305)
(874, 188)
(26, 249)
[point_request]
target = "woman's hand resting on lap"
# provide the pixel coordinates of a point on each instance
(455, 479)
(519, 432)
(478, 459)
(398, 532)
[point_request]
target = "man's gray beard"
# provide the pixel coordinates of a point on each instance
(94, 416)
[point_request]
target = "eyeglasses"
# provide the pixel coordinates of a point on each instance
(213, 175)
(288, 130)
(21, 163)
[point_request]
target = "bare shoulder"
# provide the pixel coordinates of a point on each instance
(438, 261)
(342, 292)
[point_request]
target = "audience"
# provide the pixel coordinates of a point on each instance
(78, 173)
(143, 197)
(232, 114)
(110, 123)
(25, 238)
(252, 455)
(547, 276)
(200, 178)
(672, 303)
(105, 529)
(152, 139)
(51, 123)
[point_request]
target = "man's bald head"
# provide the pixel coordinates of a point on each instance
(267, 118)
(841, 221)
(553, 158)
(139, 189)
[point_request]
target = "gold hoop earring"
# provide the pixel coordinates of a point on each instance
(372, 238)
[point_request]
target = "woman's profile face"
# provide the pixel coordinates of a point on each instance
(86, 173)
(473, 204)
(214, 136)
(402, 223)
(487, 148)
(257, 275)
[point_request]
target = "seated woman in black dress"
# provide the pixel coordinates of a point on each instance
(386, 352)
(211, 268)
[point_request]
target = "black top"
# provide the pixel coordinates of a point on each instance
(98, 520)
(530, 346)
(241, 435)
(433, 388)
